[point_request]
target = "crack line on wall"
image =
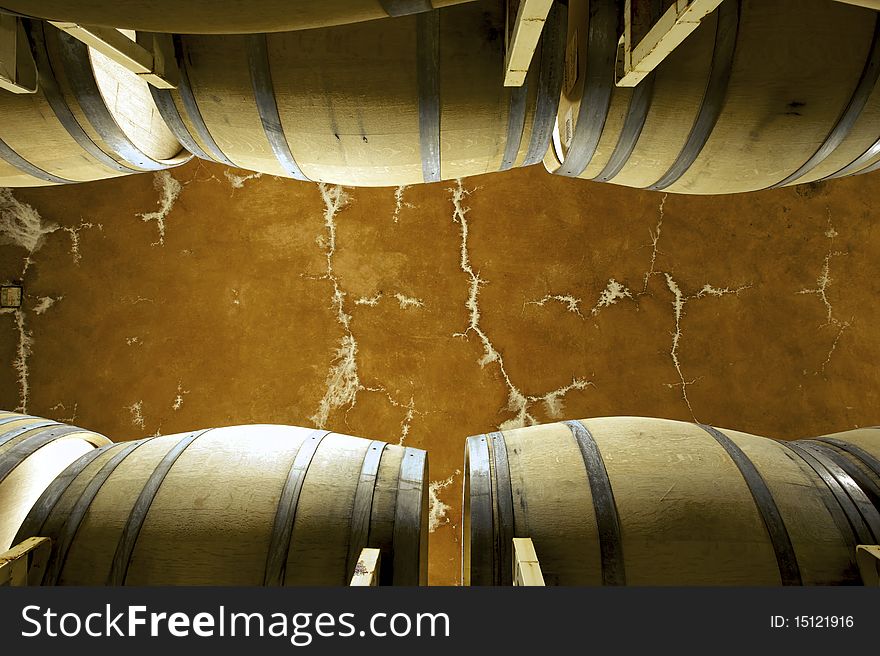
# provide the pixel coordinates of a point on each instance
(178, 399)
(572, 304)
(238, 181)
(342, 383)
(169, 191)
(136, 410)
(823, 282)
(438, 511)
(61, 407)
(655, 240)
(399, 203)
(518, 403)
(678, 304)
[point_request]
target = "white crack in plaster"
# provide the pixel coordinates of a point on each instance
(75, 240)
(438, 511)
(23, 351)
(238, 181)
(178, 399)
(134, 300)
(655, 240)
(409, 406)
(399, 203)
(823, 282)
(59, 407)
(169, 191)
(133, 341)
(678, 304)
(44, 303)
(21, 224)
(407, 302)
(136, 410)
(518, 403)
(612, 293)
(372, 301)
(406, 423)
(679, 300)
(572, 304)
(342, 381)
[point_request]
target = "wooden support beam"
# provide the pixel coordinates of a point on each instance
(366, 572)
(526, 568)
(25, 563)
(868, 558)
(676, 25)
(525, 22)
(18, 72)
(154, 63)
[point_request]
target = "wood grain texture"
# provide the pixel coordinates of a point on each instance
(688, 515)
(227, 16)
(199, 509)
(33, 452)
(89, 120)
(789, 113)
(397, 102)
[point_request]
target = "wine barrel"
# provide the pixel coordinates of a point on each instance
(33, 451)
(634, 501)
(90, 119)
(220, 16)
(395, 102)
(246, 505)
(857, 452)
(765, 93)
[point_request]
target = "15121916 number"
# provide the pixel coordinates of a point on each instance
(824, 621)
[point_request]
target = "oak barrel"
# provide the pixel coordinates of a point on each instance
(220, 16)
(857, 452)
(244, 505)
(393, 102)
(33, 451)
(90, 118)
(765, 93)
(635, 501)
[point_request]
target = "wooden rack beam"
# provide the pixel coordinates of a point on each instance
(154, 62)
(525, 21)
(366, 572)
(18, 72)
(676, 25)
(526, 568)
(24, 564)
(868, 558)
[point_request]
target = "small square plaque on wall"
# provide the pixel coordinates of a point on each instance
(11, 295)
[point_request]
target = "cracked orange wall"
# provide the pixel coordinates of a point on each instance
(426, 314)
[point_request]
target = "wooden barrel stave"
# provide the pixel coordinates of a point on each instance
(203, 508)
(389, 107)
(858, 453)
(817, 548)
(756, 143)
(692, 505)
(33, 451)
(89, 120)
(807, 117)
(210, 16)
